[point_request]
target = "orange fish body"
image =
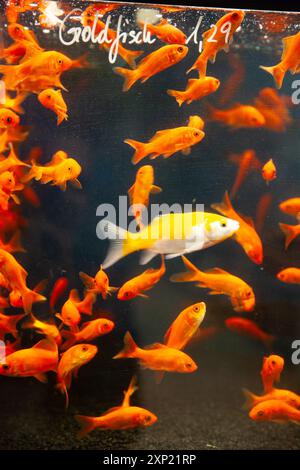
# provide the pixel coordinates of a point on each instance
(219, 282)
(290, 59)
(217, 38)
(166, 143)
(247, 327)
(239, 116)
(8, 118)
(53, 100)
(152, 64)
(291, 232)
(247, 161)
(269, 172)
(73, 307)
(289, 275)
(271, 369)
(49, 330)
(274, 108)
(185, 326)
(10, 162)
(246, 235)
(141, 283)
(196, 90)
(166, 32)
(89, 331)
(8, 324)
(286, 396)
(98, 284)
(58, 290)
(275, 410)
(291, 207)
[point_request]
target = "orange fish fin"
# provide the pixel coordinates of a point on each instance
(289, 232)
(87, 424)
(159, 375)
(223, 207)
(216, 271)
(155, 189)
(155, 346)
(41, 378)
(129, 347)
(76, 183)
(74, 296)
(132, 387)
(251, 399)
(248, 220)
(46, 344)
(144, 296)
(87, 280)
(167, 335)
(140, 150)
(130, 76)
(130, 192)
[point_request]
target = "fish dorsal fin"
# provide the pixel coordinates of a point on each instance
(85, 324)
(155, 189)
(192, 80)
(74, 296)
(167, 335)
(161, 133)
(57, 158)
(216, 271)
(150, 271)
(155, 346)
(247, 219)
(46, 344)
(114, 408)
(286, 43)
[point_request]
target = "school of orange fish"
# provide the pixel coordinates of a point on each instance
(28, 68)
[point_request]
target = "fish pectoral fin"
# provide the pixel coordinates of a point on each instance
(186, 151)
(155, 189)
(76, 183)
(143, 295)
(63, 186)
(167, 335)
(216, 271)
(215, 292)
(41, 378)
(174, 255)
(147, 256)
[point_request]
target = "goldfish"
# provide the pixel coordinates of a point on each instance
(8, 118)
(171, 234)
(165, 32)
(8, 186)
(246, 162)
(291, 232)
(152, 64)
(185, 326)
(60, 170)
(53, 100)
(238, 117)
(10, 162)
(262, 210)
(197, 122)
(166, 143)
(247, 327)
(14, 103)
(15, 7)
(269, 172)
(275, 410)
(118, 418)
(217, 38)
(14, 244)
(271, 369)
(274, 108)
(246, 235)
(59, 288)
(15, 296)
(158, 357)
(16, 276)
(88, 332)
(286, 396)
(98, 284)
(49, 330)
(73, 307)
(24, 47)
(289, 275)
(11, 134)
(140, 191)
(219, 282)
(8, 324)
(32, 362)
(291, 207)
(70, 363)
(18, 32)
(141, 283)
(196, 90)
(290, 60)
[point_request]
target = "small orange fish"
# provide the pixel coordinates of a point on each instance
(14, 103)
(8, 118)
(70, 363)
(289, 275)
(49, 330)
(291, 232)
(262, 210)
(217, 38)
(8, 324)
(275, 410)
(141, 283)
(88, 332)
(8, 186)
(185, 326)
(98, 284)
(18, 32)
(246, 235)
(166, 143)
(32, 362)
(157, 357)
(119, 417)
(53, 100)
(73, 307)
(196, 90)
(290, 60)
(274, 108)
(247, 161)
(152, 64)
(59, 288)
(165, 32)
(286, 396)
(247, 327)
(272, 367)
(291, 207)
(269, 172)
(238, 116)
(219, 282)
(15, 296)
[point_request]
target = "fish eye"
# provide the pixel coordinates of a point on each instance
(235, 16)
(5, 366)
(148, 418)
(180, 49)
(9, 120)
(70, 169)
(189, 365)
(273, 363)
(126, 294)
(196, 134)
(49, 97)
(196, 309)
(248, 293)
(84, 348)
(223, 224)
(260, 413)
(60, 61)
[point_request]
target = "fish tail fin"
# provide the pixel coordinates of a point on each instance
(87, 424)
(14, 158)
(289, 232)
(28, 324)
(140, 150)
(86, 305)
(277, 72)
(18, 101)
(63, 389)
(223, 207)
(129, 349)
(81, 62)
(200, 65)
(178, 95)
(130, 76)
(70, 337)
(87, 280)
(34, 173)
(121, 244)
(192, 273)
(15, 243)
(251, 399)
(131, 56)
(29, 297)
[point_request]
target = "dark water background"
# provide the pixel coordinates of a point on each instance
(201, 410)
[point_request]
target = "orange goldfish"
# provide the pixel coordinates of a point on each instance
(271, 369)
(269, 172)
(217, 38)
(49, 330)
(152, 64)
(274, 108)
(291, 232)
(98, 284)
(219, 282)
(58, 290)
(15, 296)
(14, 245)
(246, 161)
(16, 276)
(290, 60)
(88, 332)
(166, 32)
(8, 186)
(18, 32)
(247, 327)
(53, 100)
(286, 396)
(289, 275)
(140, 191)
(32, 362)
(8, 324)
(73, 307)
(157, 357)
(8, 118)
(60, 170)
(14, 103)
(185, 326)
(275, 410)
(141, 283)
(246, 235)
(70, 363)
(166, 143)
(238, 116)
(119, 417)
(291, 207)
(262, 210)
(196, 90)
